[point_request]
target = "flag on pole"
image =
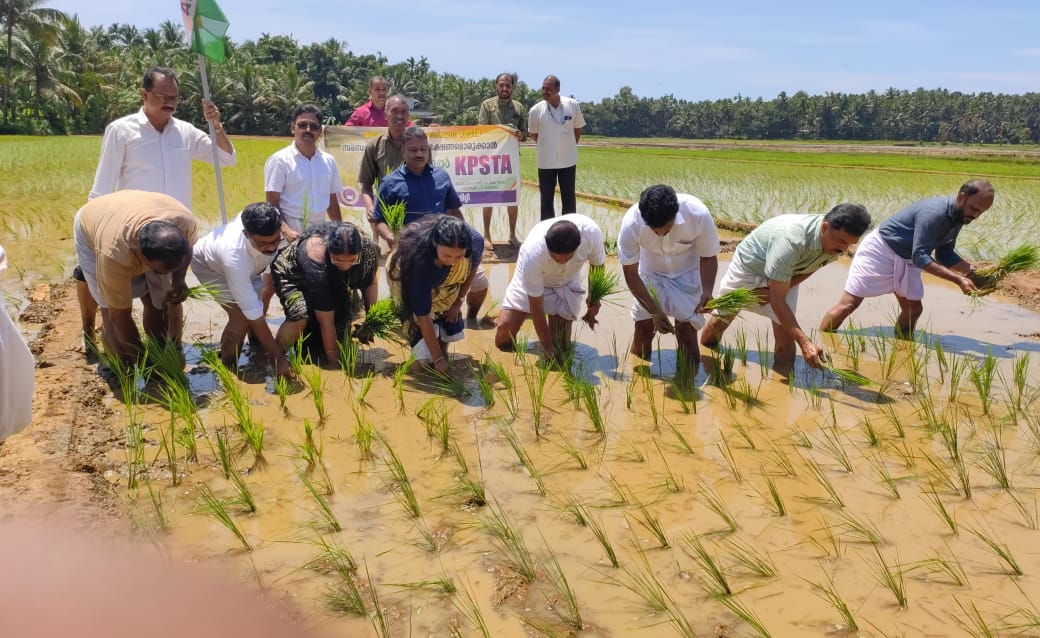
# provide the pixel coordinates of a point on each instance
(205, 26)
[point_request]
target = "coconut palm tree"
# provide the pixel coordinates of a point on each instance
(20, 14)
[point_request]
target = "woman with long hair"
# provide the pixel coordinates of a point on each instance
(316, 277)
(431, 270)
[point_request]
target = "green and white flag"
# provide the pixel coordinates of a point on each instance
(205, 26)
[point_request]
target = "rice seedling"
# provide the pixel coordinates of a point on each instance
(209, 504)
(382, 321)
(204, 291)
(1000, 549)
(164, 358)
(575, 509)
(783, 462)
(509, 540)
(619, 492)
(643, 582)
(435, 415)
(713, 501)
(848, 376)
(567, 607)
(835, 449)
(345, 597)
(951, 570)
(310, 452)
(982, 378)
(755, 562)
(326, 516)
(1022, 257)
(776, 501)
(282, 386)
(716, 582)
(994, 463)
(890, 577)
(731, 461)
(1030, 517)
(602, 284)
(683, 443)
(745, 614)
(672, 482)
(722, 370)
(859, 530)
(523, 457)
(653, 525)
(683, 385)
(484, 386)
(596, 527)
(252, 430)
(884, 476)
(364, 433)
(1017, 389)
(468, 606)
(168, 444)
(394, 214)
(629, 453)
(349, 352)
(243, 495)
(820, 476)
(647, 382)
(573, 452)
(895, 419)
(520, 346)
(963, 474)
(162, 521)
(740, 343)
(934, 501)
(975, 624)
(399, 373)
(590, 400)
(729, 304)
(428, 540)
(958, 367)
(404, 493)
(443, 585)
(135, 462)
(508, 392)
(332, 558)
(765, 353)
(829, 593)
(536, 377)
(316, 382)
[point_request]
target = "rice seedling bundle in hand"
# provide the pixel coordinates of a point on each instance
(204, 292)
(1024, 257)
(732, 302)
(850, 377)
(381, 321)
(393, 214)
(602, 284)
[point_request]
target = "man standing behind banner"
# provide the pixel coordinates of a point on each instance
(383, 154)
(556, 123)
(504, 110)
(152, 151)
(372, 112)
(301, 179)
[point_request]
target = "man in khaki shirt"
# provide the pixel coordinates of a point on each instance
(503, 109)
(135, 244)
(383, 154)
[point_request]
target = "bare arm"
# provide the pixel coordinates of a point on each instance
(778, 301)
(274, 198)
(128, 340)
(642, 294)
(262, 331)
(955, 274)
(327, 326)
(577, 135)
(429, 336)
(541, 326)
(709, 269)
(212, 115)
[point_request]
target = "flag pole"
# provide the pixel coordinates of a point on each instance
(213, 139)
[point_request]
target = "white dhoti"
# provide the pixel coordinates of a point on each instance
(877, 270)
(563, 301)
(677, 294)
(738, 277)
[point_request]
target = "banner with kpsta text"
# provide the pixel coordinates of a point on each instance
(483, 161)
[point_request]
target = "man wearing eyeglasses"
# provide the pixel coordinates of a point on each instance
(151, 150)
(301, 179)
(555, 125)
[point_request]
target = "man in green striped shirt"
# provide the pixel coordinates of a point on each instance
(777, 256)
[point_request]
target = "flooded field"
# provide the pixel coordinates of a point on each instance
(613, 500)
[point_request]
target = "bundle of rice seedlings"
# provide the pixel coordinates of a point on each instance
(204, 292)
(381, 321)
(848, 376)
(393, 214)
(1024, 257)
(602, 284)
(732, 302)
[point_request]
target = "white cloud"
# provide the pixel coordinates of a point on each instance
(1028, 53)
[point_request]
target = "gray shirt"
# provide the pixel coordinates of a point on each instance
(922, 227)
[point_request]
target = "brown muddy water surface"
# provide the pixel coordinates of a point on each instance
(803, 495)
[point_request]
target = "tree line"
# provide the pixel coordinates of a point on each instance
(62, 77)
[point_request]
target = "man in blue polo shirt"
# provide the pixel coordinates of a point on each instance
(426, 190)
(892, 258)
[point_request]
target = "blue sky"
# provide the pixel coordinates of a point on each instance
(694, 50)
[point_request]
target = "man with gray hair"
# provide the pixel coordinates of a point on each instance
(383, 154)
(556, 124)
(505, 111)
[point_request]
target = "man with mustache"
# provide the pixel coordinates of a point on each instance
(503, 109)
(556, 124)
(383, 154)
(151, 150)
(302, 180)
(231, 258)
(892, 258)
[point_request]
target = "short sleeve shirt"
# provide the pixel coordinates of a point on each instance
(555, 129)
(537, 270)
(784, 246)
(423, 280)
(691, 237)
(380, 158)
(111, 224)
(430, 192)
(305, 184)
(512, 113)
(227, 251)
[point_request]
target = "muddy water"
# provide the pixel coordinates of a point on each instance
(655, 458)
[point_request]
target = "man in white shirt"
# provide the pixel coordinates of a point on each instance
(152, 151)
(555, 124)
(668, 243)
(546, 283)
(231, 258)
(302, 180)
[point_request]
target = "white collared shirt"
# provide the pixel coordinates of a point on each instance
(135, 156)
(555, 128)
(536, 268)
(692, 236)
(299, 180)
(228, 252)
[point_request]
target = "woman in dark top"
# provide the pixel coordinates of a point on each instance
(430, 272)
(316, 277)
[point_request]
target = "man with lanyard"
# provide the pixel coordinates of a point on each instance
(556, 124)
(151, 150)
(504, 110)
(383, 154)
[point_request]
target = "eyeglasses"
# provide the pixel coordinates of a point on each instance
(166, 99)
(308, 126)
